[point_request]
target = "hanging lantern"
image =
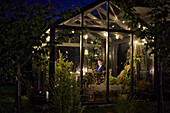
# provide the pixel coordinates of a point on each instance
(86, 52)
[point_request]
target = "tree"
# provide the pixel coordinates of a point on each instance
(156, 33)
(21, 29)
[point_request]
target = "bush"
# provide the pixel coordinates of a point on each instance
(65, 90)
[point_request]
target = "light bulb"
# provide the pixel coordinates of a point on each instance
(85, 36)
(105, 34)
(123, 21)
(117, 36)
(48, 38)
(136, 42)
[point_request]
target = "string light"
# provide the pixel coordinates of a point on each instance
(143, 40)
(139, 26)
(85, 36)
(105, 34)
(48, 38)
(144, 27)
(117, 36)
(123, 21)
(48, 31)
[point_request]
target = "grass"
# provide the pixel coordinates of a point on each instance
(122, 106)
(141, 107)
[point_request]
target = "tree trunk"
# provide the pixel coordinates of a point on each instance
(18, 89)
(160, 102)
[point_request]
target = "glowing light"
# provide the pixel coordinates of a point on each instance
(136, 42)
(86, 52)
(67, 52)
(71, 72)
(91, 42)
(85, 36)
(113, 25)
(144, 40)
(84, 70)
(139, 26)
(44, 44)
(72, 31)
(105, 34)
(48, 31)
(117, 36)
(47, 95)
(95, 55)
(123, 21)
(144, 27)
(48, 38)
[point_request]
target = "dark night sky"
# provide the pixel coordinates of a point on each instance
(68, 3)
(65, 3)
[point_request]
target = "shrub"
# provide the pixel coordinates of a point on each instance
(65, 91)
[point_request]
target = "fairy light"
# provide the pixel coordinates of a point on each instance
(85, 36)
(123, 21)
(105, 34)
(48, 39)
(136, 42)
(139, 26)
(95, 55)
(117, 36)
(144, 27)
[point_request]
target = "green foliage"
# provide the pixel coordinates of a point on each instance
(97, 47)
(127, 68)
(112, 80)
(65, 91)
(95, 78)
(21, 29)
(94, 53)
(126, 106)
(156, 31)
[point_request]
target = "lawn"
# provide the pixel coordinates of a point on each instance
(122, 106)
